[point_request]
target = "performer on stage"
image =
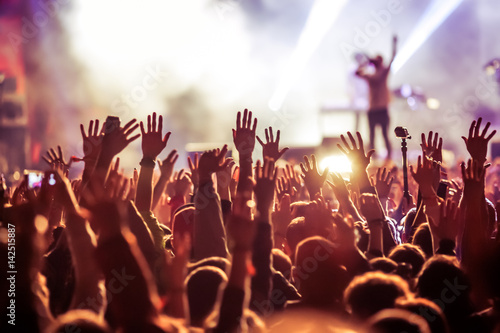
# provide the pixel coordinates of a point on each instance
(378, 111)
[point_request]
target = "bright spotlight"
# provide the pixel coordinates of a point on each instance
(433, 103)
(406, 90)
(320, 19)
(337, 163)
(437, 12)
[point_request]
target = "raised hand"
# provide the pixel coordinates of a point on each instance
(64, 193)
(477, 144)
(224, 178)
(153, 142)
(319, 217)
(116, 185)
(449, 221)
(371, 208)
(427, 175)
(473, 177)
(383, 182)
(312, 178)
(92, 141)
(193, 166)
(133, 185)
(281, 218)
(167, 166)
(359, 159)
(244, 134)
(293, 177)
(233, 185)
(270, 149)
(181, 184)
(265, 180)
(283, 186)
(339, 187)
(432, 147)
(212, 161)
(114, 170)
(224, 175)
(116, 140)
(54, 159)
(166, 170)
(343, 196)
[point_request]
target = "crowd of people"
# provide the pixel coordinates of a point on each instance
(235, 245)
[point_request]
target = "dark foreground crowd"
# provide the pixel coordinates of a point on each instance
(234, 245)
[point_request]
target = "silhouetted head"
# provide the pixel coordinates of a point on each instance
(202, 286)
(384, 265)
(282, 263)
(295, 233)
(318, 274)
(217, 262)
(443, 282)
(397, 321)
(409, 254)
(182, 224)
(83, 321)
(423, 238)
(426, 309)
(298, 208)
(374, 291)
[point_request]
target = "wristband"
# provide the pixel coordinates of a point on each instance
(148, 162)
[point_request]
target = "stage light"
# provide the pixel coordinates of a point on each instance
(320, 19)
(406, 90)
(433, 103)
(411, 102)
(437, 12)
(338, 163)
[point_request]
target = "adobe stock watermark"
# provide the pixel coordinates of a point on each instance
(363, 36)
(114, 286)
(30, 27)
(303, 272)
(281, 118)
(448, 295)
(124, 104)
(483, 91)
(224, 8)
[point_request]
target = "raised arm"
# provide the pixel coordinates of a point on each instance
(372, 211)
(113, 142)
(244, 142)
(427, 175)
(394, 50)
(209, 233)
(359, 161)
(166, 169)
(271, 149)
(382, 183)
(341, 192)
(477, 144)
(313, 180)
(153, 142)
(82, 245)
(92, 143)
(241, 232)
(135, 301)
(476, 216)
(265, 181)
